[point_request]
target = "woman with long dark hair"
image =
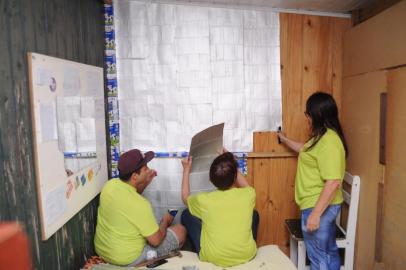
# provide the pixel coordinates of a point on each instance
(320, 172)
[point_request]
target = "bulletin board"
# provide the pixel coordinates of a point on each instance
(68, 116)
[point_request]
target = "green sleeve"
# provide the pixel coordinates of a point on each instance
(194, 205)
(331, 159)
(145, 221)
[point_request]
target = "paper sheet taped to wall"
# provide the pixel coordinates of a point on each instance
(204, 148)
(182, 68)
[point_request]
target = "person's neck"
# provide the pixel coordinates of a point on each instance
(131, 182)
(138, 185)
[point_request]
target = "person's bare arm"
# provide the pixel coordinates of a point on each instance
(327, 195)
(294, 145)
(187, 166)
(157, 238)
(241, 181)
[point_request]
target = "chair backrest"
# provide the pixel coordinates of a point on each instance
(352, 199)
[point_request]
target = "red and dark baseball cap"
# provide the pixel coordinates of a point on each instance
(133, 160)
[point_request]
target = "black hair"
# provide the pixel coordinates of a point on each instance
(223, 171)
(126, 177)
(322, 110)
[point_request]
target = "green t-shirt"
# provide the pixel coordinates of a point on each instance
(226, 237)
(325, 161)
(124, 220)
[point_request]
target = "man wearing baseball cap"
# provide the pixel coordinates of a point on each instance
(126, 228)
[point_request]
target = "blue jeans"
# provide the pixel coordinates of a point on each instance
(193, 227)
(321, 244)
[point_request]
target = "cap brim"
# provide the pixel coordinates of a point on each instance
(148, 156)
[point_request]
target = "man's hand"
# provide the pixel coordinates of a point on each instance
(187, 164)
(157, 238)
(313, 222)
(150, 175)
(167, 219)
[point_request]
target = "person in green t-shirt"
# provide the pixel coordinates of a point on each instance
(127, 231)
(319, 175)
(221, 224)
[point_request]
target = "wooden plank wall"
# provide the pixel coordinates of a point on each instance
(311, 60)
(360, 117)
(365, 77)
(273, 180)
(377, 43)
(394, 213)
(67, 29)
(371, 9)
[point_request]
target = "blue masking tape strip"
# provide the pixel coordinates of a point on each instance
(241, 158)
(79, 154)
(111, 85)
(171, 154)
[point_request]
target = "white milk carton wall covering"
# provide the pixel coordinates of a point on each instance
(181, 69)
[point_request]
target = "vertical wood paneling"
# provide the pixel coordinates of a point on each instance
(377, 43)
(373, 8)
(291, 31)
(38, 22)
(311, 58)
(373, 63)
(360, 119)
(261, 170)
(4, 101)
(311, 55)
(273, 182)
(394, 213)
(281, 202)
(317, 66)
(67, 29)
(338, 28)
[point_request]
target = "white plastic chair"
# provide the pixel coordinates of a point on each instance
(345, 238)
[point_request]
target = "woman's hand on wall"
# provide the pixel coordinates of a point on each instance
(187, 164)
(295, 146)
(187, 167)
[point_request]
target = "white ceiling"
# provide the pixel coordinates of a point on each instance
(303, 6)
